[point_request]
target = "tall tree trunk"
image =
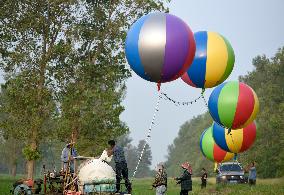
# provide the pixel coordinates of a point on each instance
(14, 170)
(30, 169)
(75, 131)
(31, 163)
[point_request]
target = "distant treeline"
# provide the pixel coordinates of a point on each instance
(267, 79)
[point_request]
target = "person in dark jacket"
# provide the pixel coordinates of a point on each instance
(120, 165)
(185, 179)
(203, 178)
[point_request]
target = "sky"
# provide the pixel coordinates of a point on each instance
(253, 27)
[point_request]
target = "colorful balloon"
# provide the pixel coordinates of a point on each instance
(159, 47)
(237, 141)
(211, 150)
(233, 105)
(213, 62)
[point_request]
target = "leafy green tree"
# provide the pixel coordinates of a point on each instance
(64, 61)
(146, 161)
(32, 34)
(268, 82)
(186, 147)
(131, 153)
(90, 99)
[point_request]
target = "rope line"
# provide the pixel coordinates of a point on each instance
(177, 103)
(204, 100)
(148, 134)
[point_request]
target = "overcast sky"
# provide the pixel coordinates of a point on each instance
(253, 27)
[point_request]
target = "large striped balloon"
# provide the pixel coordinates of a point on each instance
(233, 104)
(237, 141)
(213, 62)
(159, 47)
(211, 150)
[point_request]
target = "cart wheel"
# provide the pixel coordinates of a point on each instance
(22, 189)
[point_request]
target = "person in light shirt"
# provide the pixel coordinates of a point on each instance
(67, 156)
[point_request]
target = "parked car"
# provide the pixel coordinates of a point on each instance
(230, 172)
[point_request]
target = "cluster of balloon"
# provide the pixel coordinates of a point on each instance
(211, 150)
(160, 47)
(239, 140)
(213, 62)
(233, 105)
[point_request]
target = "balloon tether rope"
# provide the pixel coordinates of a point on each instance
(177, 103)
(148, 134)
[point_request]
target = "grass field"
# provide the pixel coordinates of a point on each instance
(142, 187)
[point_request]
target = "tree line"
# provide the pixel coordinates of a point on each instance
(267, 80)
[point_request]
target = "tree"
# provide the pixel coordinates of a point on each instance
(64, 61)
(186, 146)
(90, 99)
(144, 166)
(31, 34)
(267, 80)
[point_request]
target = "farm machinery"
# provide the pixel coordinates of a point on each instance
(93, 176)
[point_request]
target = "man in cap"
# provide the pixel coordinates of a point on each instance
(67, 156)
(185, 179)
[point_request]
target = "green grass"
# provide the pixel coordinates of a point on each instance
(6, 183)
(143, 187)
(264, 186)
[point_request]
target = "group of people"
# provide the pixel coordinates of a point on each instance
(116, 152)
(160, 182)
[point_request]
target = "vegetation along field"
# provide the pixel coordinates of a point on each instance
(143, 187)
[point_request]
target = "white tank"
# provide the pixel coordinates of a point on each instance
(96, 175)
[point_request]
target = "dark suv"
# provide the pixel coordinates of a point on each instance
(230, 172)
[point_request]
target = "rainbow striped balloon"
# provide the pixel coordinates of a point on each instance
(159, 47)
(237, 141)
(213, 62)
(211, 150)
(233, 105)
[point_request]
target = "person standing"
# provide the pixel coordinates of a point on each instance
(120, 165)
(252, 174)
(160, 182)
(185, 179)
(67, 156)
(203, 178)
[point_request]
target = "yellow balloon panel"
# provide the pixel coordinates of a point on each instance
(217, 58)
(234, 140)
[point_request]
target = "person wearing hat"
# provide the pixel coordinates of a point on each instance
(160, 182)
(67, 156)
(185, 179)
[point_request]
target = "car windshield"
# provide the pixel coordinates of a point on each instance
(230, 167)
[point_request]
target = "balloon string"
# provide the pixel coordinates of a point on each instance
(148, 134)
(204, 100)
(177, 103)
